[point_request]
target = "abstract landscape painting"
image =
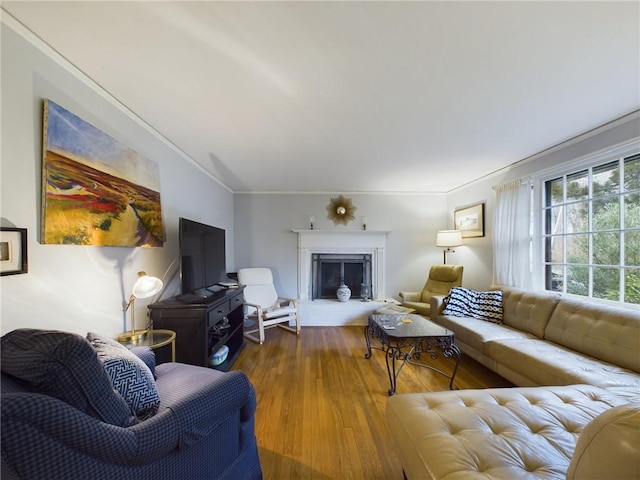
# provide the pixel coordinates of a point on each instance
(95, 190)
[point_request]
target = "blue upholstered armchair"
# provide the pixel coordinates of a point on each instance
(62, 417)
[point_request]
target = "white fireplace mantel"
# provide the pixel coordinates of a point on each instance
(346, 241)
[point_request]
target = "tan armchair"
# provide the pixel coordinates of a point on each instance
(441, 279)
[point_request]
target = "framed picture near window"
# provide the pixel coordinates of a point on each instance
(470, 220)
(13, 251)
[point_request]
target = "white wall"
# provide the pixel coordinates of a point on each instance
(71, 287)
(264, 222)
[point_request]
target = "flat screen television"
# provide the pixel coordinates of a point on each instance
(202, 256)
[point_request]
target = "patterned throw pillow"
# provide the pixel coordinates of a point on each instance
(130, 375)
(462, 302)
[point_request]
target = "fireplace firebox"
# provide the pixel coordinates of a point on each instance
(330, 270)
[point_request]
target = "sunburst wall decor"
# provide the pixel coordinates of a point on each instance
(340, 210)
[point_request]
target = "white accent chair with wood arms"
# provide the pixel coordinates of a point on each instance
(263, 304)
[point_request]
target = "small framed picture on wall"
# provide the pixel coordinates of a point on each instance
(13, 251)
(470, 220)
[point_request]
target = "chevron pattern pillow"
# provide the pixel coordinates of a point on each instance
(130, 376)
(463, 302)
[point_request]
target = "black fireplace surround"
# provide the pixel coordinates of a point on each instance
(330, 270)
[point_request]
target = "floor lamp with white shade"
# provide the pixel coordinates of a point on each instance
(448, 239)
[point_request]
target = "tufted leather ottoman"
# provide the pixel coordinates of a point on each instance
(511, 433)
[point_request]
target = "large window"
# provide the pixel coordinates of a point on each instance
(591, 231)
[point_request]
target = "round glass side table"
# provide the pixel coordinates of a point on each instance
(154, 339)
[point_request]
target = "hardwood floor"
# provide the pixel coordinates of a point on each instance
(321, 403)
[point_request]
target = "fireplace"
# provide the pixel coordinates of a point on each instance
(330, 270)
(355, 244)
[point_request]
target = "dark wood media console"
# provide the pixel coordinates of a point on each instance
(200, 327)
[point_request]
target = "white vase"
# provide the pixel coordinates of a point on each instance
(343, 293)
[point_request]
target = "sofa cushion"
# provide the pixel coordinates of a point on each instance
(608, 446)
(130, 376)
(65, 366)
(493, 433)
(545, 363)
(609, 333)
(476, 333)
(527, 311)
(463, 302)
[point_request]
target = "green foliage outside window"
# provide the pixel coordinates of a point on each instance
(586, 236)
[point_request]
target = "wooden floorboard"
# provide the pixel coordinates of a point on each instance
(321, 403)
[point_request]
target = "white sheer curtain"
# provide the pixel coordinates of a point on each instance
(511, 235)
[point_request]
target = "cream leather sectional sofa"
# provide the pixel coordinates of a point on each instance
(574, 414)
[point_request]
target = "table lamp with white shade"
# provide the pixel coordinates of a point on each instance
(144, 287)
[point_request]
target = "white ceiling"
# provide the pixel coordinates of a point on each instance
(355, 96)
